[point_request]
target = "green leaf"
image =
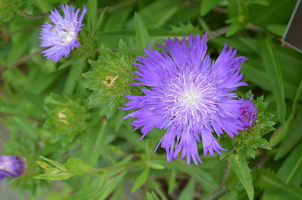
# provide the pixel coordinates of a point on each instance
(238, 15)
(294, 135)
(52, 170)
(141, 179)
(73, 77)
(277, 29)
(152, 196)
(35, 100)
(250, 151)
(206, 6)
(291, 169)
(25, 126)
(157, 166)
(92, 14)
(274, 185)
(142, 35)
(188, 191)
(180, 165)
(55, 177)
(100, 20)
(172, 181)
(243, 172)
(259, 2)
(78, 166)
(271, 62)
(58, 165)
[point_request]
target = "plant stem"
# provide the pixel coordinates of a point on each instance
(95, 153)
(27, 57)
(222, 185)
(24, 14)
(128, 165)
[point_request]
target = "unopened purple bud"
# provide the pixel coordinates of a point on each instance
(11, 166)
(248, 112)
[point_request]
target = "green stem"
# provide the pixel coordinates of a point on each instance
(117, 166)
(94, 155)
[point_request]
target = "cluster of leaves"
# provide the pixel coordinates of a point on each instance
(110, 79)
(66, 117)
(9, 9)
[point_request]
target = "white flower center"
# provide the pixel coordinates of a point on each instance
(190, 98)
(65, 33)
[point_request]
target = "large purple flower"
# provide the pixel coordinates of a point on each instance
(62, 36)
(11, 166)
(189, 95)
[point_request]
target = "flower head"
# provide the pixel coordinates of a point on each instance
(62, 36)
(11, 166)
(248, 111)
(189, 95)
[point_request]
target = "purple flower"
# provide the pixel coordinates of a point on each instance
(248, 112)
(11, 166)
(62, 36)
(189, 95)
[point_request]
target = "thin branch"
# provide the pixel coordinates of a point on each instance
(118, 6)
(27, 57)
(20, 31)
(218, 32)
(29, 118)
(222, 185)
(215, 8)
(24, 14)
(67, 155)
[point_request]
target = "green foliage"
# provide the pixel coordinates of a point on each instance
(238, 15)
(110, 79)
(251, 138)
(242, 170)
(66, 117)
(9, 9)
(62, 171)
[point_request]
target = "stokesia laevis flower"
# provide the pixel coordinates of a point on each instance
(248, 111)
(62, 36)
(11, 166)
(190, 96)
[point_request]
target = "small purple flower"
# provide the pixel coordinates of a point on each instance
(189, 95)
(11, 166)
(62, 36)
(248, 112)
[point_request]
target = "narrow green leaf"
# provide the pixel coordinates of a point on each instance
(280, 134)
(152, 196)
(78, 166)
(142, 35)
(295, 135)
(141, 179)
(52, 170)
(260, 2)
(206, 6)
(92, 14)
(100, 20)
(35, 100)
(58, 165)
(291, 169)
(73, 77)
(277, 29)
(157, 166)
(55, 177)
(188, 191)
(25, 126)
(271, 63)
(172, 181)
(274, 185)
(243, 172)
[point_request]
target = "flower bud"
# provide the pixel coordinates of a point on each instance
(248, 112)
(11, 166)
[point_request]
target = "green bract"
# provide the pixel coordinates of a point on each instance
(110, 79)
(66, 116)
